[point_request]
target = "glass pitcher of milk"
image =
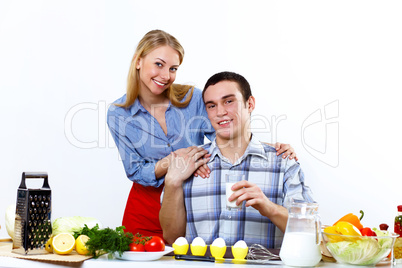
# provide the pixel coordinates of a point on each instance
(301, 242)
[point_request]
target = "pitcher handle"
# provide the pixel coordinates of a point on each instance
(317, 230)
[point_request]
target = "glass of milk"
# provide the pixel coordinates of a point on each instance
(231, 179)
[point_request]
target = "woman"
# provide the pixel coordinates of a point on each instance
(154, 118)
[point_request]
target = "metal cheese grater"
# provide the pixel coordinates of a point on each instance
(32, 217)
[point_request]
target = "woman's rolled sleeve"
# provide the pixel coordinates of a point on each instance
(137, 168)
(141, 170)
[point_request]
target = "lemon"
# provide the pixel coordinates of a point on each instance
(48, 245)
(80, 245)
(63, 243)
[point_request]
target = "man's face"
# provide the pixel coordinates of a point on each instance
(227, 111)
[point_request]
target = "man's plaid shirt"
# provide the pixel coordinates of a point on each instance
(205, 199)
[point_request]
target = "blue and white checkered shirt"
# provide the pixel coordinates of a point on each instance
(205, 199)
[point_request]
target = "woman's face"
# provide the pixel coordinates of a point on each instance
(158, 69)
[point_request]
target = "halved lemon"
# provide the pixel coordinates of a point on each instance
(63, 243)
(80, 246)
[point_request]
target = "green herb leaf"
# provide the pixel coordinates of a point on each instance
(106, 240)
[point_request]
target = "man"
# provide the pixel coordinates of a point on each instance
(193, 206)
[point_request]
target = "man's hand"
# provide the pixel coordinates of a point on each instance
(250, 193)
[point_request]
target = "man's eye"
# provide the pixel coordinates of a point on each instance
(210, 106)
(229, 101)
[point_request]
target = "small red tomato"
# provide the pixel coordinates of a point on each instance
(137, 247)
(155, 244)
(367, 232)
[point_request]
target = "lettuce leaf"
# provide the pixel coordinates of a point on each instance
(384, 242)
(73, 224)
(365, 251)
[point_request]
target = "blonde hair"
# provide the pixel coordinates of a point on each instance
(152, 40)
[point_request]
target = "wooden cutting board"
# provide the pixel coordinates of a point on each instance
(6, 247)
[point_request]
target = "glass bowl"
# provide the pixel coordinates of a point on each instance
(359, 250)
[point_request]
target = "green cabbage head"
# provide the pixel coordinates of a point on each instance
(73, 224)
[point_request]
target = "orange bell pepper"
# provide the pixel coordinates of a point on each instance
(353, 219)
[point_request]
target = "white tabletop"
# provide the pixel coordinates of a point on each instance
(164, 262)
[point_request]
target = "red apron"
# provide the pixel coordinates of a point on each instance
(142, 210)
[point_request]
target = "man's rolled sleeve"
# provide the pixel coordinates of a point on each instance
(294, 184)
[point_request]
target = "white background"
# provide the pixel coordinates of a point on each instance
(325, 75)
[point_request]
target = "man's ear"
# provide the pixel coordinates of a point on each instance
(251, 104)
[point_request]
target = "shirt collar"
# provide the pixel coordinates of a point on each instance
(254, 148)
(214, 150)
(137, 106)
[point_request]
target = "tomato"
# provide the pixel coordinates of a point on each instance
(155, 244)
(137, 247)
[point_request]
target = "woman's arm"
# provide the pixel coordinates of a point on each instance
(138, 168)
(161, 166)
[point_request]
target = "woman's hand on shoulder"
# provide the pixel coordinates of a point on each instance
(184, 162)
(203, 171)
(286, 149)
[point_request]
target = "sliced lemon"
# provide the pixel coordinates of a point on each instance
(80, 246)
(63, 243)
(48, 245)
